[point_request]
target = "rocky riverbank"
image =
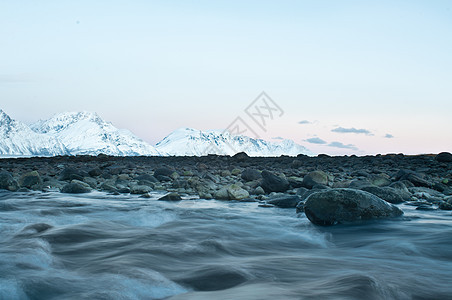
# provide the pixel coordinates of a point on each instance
(329, 189)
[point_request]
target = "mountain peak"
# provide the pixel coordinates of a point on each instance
(193, 142)
(4, 118)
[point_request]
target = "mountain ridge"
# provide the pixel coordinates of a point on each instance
(86, 133)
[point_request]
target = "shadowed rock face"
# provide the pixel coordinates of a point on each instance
(347, 205)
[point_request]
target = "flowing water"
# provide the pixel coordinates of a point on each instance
(96, 246)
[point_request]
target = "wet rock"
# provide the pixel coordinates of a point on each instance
(413, 177)
(235, 192)
(250, 174)
(7, 182)
(273, 183)
(424, 207)
(444, 157)
(72, 173)
(107, 187)
(222, 194)
(315, 177)
(31, 180)
(140, 189)
(163, 174)
(76, 187)
(236, 172)
(359, 183)
(295, 182)
(259, 191)
(347, 205)
(386, 193)
(445, 205)
(285, 201)
(379, 180)
(95, 172)
(171, 197)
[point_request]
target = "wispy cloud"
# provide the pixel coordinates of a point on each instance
(316, 140)
(303, 122)
(342, 146)
(352, 130)
(277, 138)
(389, 136)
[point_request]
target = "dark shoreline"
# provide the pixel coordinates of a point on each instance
(424, 181)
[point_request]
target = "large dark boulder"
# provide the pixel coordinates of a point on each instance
(7, 182)
(386, 193)
(314, 178)
(250, 174)
(444, 157)
(337, 206)
(273, 183)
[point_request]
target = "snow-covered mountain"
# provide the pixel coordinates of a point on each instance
(17, 139)
(85, 133)
(192, 142)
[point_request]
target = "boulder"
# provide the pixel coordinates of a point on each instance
(235, 192)
(286, 201)
(140, 189)
(72, 173)
(444, 157)
(241, 156)
(76, 187)
(386, 193)
(30, 180)
(250, 174)
(273, 183)
(337, 206)
(7, 181)
(163, 174)
(315, 177)
(171, 197)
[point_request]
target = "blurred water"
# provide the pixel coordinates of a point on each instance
(95, 246)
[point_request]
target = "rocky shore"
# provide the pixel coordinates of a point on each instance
(329, 190)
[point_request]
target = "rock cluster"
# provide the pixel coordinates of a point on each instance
(328, 189)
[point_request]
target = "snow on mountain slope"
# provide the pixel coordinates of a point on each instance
(192, 142)
(17, 139)
(85, 133)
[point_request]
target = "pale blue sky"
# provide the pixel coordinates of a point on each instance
(154, 66)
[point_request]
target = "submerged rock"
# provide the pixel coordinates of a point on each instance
(335, 206)
(285, 201)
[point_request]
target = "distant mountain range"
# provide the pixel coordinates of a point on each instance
(192, 142)
(85, 133)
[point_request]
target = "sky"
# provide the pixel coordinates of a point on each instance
(350, 77)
